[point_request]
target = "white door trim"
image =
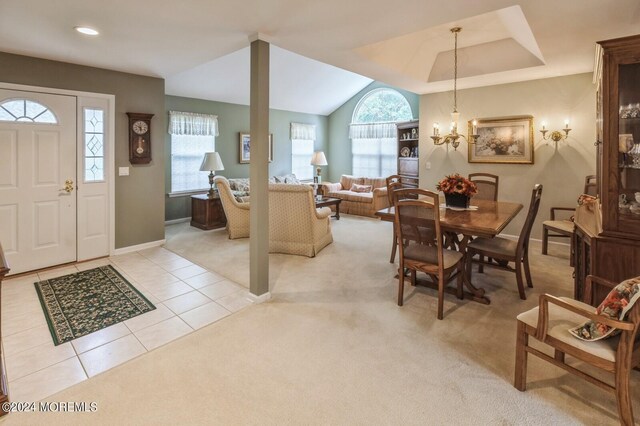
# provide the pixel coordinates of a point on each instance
(111, 99)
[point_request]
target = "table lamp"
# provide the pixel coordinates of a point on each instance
(211, 163)
(318, 159)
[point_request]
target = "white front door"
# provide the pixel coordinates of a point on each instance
(37, 179)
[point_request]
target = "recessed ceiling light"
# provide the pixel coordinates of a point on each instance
(87, 31)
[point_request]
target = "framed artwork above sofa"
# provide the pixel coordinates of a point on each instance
(245, 147)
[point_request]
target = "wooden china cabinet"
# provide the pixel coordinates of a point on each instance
(614, 253)
(408, 156)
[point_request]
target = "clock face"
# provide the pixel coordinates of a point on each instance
(140, 127)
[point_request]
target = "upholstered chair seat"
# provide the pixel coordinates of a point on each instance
(429, 254)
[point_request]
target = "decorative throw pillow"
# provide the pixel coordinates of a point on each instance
(616, 305)
(360, 188)
(242, 185)
(292, 179)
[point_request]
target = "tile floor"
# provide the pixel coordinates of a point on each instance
(186, 296)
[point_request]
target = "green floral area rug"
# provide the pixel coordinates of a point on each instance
(79, 304)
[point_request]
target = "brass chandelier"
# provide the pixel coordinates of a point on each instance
(454, 138)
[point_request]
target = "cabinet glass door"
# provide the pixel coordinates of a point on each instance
(629, 144)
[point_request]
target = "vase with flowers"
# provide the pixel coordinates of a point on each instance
(458, 190)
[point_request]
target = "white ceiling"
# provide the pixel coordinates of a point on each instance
(200, 47)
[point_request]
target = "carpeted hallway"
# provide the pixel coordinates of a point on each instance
(332, 347)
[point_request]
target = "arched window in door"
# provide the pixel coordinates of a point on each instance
(26, 111)
(373, 132)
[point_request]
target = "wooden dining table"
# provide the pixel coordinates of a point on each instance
(487, 221)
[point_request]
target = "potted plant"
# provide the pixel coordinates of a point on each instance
(458, 190)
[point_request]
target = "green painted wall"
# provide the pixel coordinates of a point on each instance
(139, 198)
(339, 152)
(233, 119)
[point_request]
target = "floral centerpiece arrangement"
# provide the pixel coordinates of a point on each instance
(458, 190)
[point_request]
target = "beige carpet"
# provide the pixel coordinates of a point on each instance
(332, 347)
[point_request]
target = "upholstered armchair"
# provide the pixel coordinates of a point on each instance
(237, 213)
(295, 225)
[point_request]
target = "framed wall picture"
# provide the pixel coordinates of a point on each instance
(503, 140)
(245, 148)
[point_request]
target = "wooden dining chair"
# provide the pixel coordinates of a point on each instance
(501, 251)
(557, 227)
(549, 323)
(394, 182)
(417, 223)
(487, 186)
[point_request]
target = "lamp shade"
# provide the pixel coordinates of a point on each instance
(319, 159)
(211, 162)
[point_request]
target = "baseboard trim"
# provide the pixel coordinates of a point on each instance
(259, 299)
(138, 247)
(175, 221)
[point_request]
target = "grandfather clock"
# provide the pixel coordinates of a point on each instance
(139, 138)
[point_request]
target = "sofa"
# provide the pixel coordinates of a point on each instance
(360, 195)
(241, 188)
(296, 226)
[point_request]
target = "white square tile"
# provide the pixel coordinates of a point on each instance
(111, 354)
(205, 314)
(26, 303)
(22, 321)
(11, 284)
(127, 258)
(168, 291)
(161, 313)
(152, 252)
(48, 381)
(220, 289)
(188, 272)
(37, 358)
(172, 265)
(27, 339)
(203, 280)
(162, 333)
(186, 302)
(235, 301)
(100, 337)
(161, 278)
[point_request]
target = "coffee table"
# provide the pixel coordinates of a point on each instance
(327, 201)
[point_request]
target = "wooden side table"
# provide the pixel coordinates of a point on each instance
(207, 213)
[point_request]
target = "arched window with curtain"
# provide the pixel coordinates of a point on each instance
(373, 132)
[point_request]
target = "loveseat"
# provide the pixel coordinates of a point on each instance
(241, 188)
(360, 195)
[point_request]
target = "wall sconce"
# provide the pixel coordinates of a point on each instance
(555, 135)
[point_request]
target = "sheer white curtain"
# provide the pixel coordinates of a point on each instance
(303, 137)
(374, 157)
(373, 149)
(192, 135)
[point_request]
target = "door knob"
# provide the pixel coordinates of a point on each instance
(68, 186)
